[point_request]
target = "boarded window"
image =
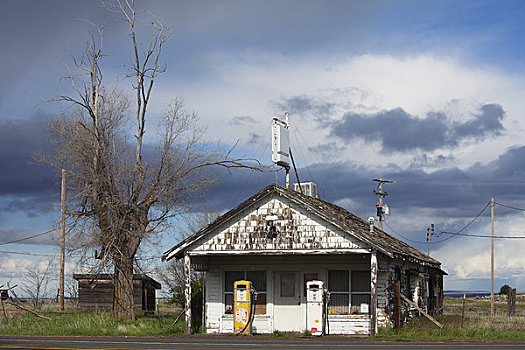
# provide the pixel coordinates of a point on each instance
(258, 278)
(287, 284)
(339, 287)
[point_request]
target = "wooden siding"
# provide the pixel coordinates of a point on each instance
(298, 230)
(98, 295)
(348, 324)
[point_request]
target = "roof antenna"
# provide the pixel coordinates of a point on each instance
(281, 145)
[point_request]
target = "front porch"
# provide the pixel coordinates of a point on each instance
(280, 281)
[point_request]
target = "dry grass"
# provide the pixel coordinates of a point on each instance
(477, 324)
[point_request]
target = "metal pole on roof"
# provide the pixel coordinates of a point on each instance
(295, 169)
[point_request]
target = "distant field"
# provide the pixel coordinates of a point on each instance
(478, 325)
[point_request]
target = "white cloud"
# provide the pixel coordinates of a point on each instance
(249, 84)
(469, 258)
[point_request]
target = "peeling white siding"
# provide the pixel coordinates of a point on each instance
(214, 305)
(298, 230)
(349, 324)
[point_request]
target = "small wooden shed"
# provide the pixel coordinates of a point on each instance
(95, 292)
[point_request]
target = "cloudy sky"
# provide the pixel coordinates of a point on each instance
(428, 94)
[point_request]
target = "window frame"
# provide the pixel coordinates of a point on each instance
(351, 292)
(226, 305)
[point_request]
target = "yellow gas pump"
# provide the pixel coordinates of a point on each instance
(242, 307)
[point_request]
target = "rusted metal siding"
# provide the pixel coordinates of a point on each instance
(297, 230)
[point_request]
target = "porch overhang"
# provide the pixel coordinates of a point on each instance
(279, 252)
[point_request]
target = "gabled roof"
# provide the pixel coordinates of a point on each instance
(330, 212)
(107, 277)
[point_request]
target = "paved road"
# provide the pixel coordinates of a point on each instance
(228, 342)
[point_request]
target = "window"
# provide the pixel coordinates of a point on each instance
(258, 278)
(345, 300)
(360, 291)
(229, 278)
(287, 284)
(338, 285)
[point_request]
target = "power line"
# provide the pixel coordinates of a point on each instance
(509, 206)
(26, 238)
(453, 234)
(400, 235)
(458, 233)
(329, 178)
(24, 253)
(483, 236)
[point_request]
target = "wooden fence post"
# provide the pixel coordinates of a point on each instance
(463, 310)
(511, 302)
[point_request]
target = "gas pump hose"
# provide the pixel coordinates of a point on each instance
(253, 302)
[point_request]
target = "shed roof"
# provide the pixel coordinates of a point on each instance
(338, 216)
(109, 276)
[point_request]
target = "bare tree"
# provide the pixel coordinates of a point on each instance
(124, 189)
(172, 273)
(35, 285)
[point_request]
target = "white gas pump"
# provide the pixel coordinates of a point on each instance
(316, 301)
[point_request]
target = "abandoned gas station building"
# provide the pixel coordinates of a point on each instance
(279, 239)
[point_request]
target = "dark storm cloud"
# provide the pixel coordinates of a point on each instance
(24, 184)
(398, 131)
(425, 160)
(29, 31)
(454, 194)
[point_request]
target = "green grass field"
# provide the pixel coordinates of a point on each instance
(75, 323)
(478, 325)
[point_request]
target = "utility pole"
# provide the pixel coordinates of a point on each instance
(381, 196)
(430, 232)
(492, 257)
(62, 237)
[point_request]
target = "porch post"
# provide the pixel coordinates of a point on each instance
(187, 292)
(373, 292)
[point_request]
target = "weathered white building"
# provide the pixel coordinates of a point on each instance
(279, 239)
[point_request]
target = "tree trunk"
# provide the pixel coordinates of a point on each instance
(123, 307)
